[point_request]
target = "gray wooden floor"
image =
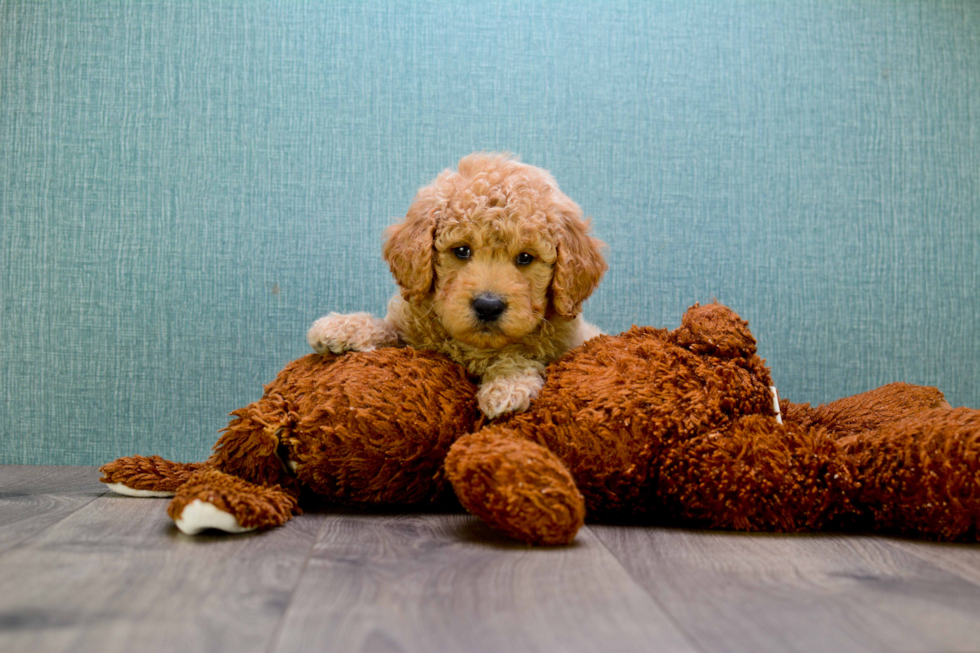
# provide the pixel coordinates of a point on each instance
(82, 570)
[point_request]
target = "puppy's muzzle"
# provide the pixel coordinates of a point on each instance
(488, 307)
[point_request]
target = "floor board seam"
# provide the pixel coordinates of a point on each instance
(18, 543)
(921, 555)
(688, 637)
(277, 632)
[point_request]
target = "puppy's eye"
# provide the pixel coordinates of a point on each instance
(524, 258)
(463, 252)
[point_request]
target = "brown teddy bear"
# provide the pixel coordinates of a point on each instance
(679, 426)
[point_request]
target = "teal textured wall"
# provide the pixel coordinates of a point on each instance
(185, 186)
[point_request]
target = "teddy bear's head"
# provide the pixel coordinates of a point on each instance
(611, 407)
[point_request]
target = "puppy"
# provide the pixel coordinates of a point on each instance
(493, 263)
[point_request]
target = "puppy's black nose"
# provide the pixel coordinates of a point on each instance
(488, 307)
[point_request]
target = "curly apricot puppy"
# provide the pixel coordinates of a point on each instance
(493, 262)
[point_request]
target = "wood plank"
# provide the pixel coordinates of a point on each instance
(756, 592)
(116, 575)
(48, 479)
(961, 560)
(32, 498)
(445, 582)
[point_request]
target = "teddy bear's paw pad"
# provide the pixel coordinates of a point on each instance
(125, 490)
(200, 515)
(509, 394)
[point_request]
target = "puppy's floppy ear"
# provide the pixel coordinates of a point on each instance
(579, 265)
(408, 246)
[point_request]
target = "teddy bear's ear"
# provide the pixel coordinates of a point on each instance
(408, 246)
(579, 265)
(715, 330)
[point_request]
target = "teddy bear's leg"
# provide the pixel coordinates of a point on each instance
(515, 486)
(756, 474)
(246, 484)
(216, 500)
(147, 476)
(921, 475)
(865, 412)
(249, 447)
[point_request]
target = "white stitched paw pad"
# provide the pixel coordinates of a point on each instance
(200, 515)
(119, 488)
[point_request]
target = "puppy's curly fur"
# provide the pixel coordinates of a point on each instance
(493, 262)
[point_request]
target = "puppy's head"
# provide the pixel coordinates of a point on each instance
(497, 247)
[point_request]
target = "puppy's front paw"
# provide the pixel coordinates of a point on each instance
(338, 333)
(509, 394)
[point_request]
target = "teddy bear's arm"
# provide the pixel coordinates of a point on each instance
(516, 486)
(146, 476)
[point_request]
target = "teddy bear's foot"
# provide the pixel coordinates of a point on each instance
(211, 499)
(516, 486)
(147, 476)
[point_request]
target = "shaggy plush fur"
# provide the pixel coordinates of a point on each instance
(676, 426)
(150, 474)
(253, 506)
(374, 429)
(495, 230)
